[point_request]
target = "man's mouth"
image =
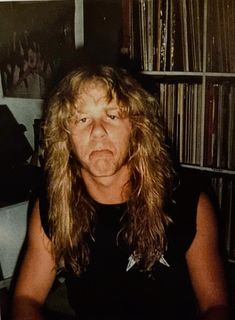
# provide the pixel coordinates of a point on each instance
(101, 153)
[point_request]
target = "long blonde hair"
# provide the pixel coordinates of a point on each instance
(71, 210)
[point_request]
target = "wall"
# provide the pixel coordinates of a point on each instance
(13, 218)
(25, 111)
(13, 221)
(102, 27)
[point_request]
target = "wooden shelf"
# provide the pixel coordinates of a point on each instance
(197, 106)
(189, 74)
(208, 169)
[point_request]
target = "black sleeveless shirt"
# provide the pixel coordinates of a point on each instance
(114, 288)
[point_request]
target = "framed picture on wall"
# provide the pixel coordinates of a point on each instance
(36, 40)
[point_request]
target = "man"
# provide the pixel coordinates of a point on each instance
(131, 243)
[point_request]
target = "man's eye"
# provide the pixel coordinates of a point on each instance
(83, 120)
(112, 116)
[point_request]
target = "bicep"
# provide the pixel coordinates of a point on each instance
(204, 261)
(37, 271)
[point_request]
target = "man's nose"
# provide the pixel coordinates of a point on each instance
(98, 128)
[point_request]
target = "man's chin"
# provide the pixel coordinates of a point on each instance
(103, 168)
(102, 173)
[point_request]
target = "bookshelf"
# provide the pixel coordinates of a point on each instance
(186, 48)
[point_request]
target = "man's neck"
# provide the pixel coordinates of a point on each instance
(108, 190)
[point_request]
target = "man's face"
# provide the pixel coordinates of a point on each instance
(100, 135)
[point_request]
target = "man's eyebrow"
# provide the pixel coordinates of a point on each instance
(81, 111)
(112, 108)
(78, 111)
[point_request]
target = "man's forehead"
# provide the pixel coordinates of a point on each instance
(94, 89)
(94, 93)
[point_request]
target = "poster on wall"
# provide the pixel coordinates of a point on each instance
(36, 38)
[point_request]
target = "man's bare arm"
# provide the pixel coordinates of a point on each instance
(205, 265)
(36, 275)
